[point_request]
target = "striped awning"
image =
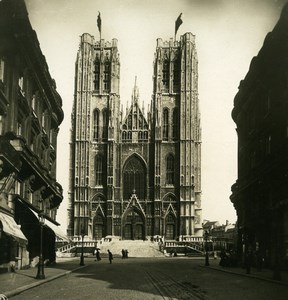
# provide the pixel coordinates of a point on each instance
(10, 227)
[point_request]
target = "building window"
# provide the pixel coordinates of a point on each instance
(107, 77)
(124, 135)
(96, 125)
(134, 179)
(105, 126)
(99, 170)
(130, 121)
(170, 169)
(165, 124)
(176, 75)
(175, 124)
(165, 78)
(97, 76)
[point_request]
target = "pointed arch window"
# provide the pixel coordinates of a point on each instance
(175, 124)
(134, 179)
(170, 169)
(105, 124)
(97, 76)
(107, 71)
(165, 124)
(96, 125)
(165, 78)
(130, 121)
(176, 75)
(99, 170)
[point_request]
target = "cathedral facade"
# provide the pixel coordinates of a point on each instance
(133, 175)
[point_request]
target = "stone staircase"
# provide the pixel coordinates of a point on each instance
(136, 248)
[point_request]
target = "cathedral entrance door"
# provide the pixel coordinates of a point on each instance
(128, 232)
(98, 231)
(133, 228)
(169, 235)
(138, 232)
(170, 227)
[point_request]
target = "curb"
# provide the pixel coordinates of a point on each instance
(247, 275)
(21, 289)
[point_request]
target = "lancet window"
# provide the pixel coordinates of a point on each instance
(170, 169)
(99, 169)
(96, 125)
(165, 124)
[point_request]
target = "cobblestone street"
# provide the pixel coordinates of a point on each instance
(157, 278)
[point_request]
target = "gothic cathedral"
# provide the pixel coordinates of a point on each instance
(132, 175)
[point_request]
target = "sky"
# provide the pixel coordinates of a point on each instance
(228, 34)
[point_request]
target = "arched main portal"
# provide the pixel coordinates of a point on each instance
(134, 178)
(133, 226)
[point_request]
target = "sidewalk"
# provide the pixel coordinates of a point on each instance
(12, 284)
(265, 274)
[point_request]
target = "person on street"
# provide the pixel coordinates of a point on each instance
(98, 258)
(110, 256)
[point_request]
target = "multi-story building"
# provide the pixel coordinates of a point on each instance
(30, 115)
(260, 113)
(135, 176)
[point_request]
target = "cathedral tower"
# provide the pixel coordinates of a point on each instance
(94, 136)
(176, 139)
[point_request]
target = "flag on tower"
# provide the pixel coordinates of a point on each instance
(99, 23)
(178, 22)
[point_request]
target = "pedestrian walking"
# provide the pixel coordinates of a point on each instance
(110, 256)
(98, 255)
(123, 253)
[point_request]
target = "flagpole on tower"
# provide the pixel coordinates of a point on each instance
(178, 22)
(99, 23)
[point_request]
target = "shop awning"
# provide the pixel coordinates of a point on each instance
(11, 227)
(56, 229)
(58, 232)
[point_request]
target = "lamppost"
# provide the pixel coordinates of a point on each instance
(82, 248)
(40, 271)
(206, 236)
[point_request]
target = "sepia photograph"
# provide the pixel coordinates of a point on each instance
(144, 149)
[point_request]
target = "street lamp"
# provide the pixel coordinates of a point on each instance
(206, 235)
(40, 271)
(82, 248)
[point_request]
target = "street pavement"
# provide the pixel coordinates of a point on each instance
(12, 284)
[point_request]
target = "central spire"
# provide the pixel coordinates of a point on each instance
(135, 92)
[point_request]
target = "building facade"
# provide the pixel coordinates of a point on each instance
(135, 176)
(30, 115)
(260, 113)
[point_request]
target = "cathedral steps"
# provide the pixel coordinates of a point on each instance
(136, 248)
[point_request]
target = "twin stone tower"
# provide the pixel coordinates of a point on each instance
(132, 175)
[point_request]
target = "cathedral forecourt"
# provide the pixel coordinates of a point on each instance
(135, 176)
